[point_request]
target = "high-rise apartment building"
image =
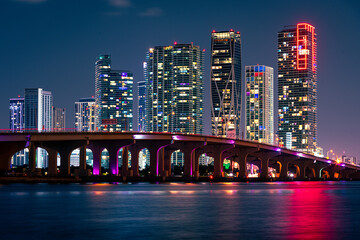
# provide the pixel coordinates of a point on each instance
(141, 109)
(85, 115)
(259, 103)
(17, 124)
(113, 97)
(38, 117)
(226, 83)
(17, 113)
(38, 110)
(58, 119)
(174, 89)
(297, 88)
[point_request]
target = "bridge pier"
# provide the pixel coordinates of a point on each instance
(264, 158)
(52, 164)
(82, 162)
(134, 151)
(32, 158)
(96, 151)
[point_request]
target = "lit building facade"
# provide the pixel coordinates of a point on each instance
(38, 110)
(259, 103)
(297, 88)
(113, 97)
(225, 83)
(58, 119)
(17, 124)
(17, 112)
(38, 117)
(141, 110)
(174, 89)
(85, 115)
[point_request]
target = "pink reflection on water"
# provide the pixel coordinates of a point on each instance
(309, 212)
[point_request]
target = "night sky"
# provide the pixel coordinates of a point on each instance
(53, 44)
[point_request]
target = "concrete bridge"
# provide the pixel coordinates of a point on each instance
(161, 146)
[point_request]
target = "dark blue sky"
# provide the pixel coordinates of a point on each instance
(53, 44)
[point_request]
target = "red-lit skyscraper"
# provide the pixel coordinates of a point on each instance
(297, 80)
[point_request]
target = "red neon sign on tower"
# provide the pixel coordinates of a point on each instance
(303, 50)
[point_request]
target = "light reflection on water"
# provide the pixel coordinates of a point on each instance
(292, 210)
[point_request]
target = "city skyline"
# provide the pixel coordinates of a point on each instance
(330, 133)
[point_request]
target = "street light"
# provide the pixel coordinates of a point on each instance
(167, 120)
(327, 154)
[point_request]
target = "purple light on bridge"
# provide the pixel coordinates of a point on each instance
(343, 164)
(300, 154)
(178, 138)
(329, 161)
(232, 142)
(278, 149)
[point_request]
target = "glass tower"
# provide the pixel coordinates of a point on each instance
(113, 97)
(17, 124)
(38, 117)
(225, 83)
(259, 103)
(85, 115)
(174, 89)
(141, 110)
(297, 69)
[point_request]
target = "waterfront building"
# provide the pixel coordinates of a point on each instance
(58, 119)
(297, 88)
(225, 78)
(259, 103)
(85, 115)
(141, 110)
(38, 117)
(174, 88)
(17, 124)
(113, 97)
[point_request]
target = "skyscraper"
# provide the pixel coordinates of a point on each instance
(38, 110)
(174, 88)
(259, 103)
(58, 119)
(113, 97)
(17, 124)
(85, 115)
(38, 117)
(297, 90)
(226, 83)
(141, 110)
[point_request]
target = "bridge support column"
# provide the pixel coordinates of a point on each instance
(265, 157)
(135, 151)
(97, 160)
(65, 162)
(196, 165)
(167, 162)
(52, 166)
(113, 161)
(82, 161)
(32, 158)
(242, 160)
(125, 162)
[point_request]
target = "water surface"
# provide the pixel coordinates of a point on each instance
(283, 210)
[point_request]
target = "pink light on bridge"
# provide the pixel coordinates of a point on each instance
(300, 154)
(278, 149)
(329, 161)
